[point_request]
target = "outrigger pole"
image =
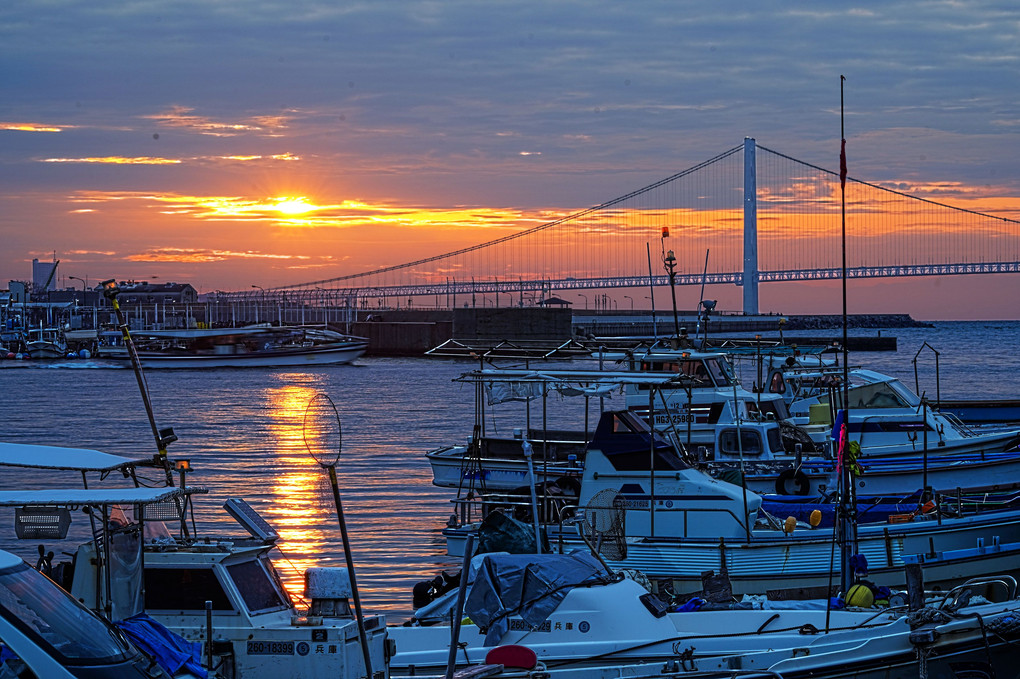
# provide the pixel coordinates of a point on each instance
(164, 437)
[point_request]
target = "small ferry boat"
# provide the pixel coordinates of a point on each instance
(251, 346)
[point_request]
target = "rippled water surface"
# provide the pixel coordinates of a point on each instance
(242, 429)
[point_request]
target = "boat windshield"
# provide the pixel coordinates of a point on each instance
(261, 590)
(708, 371)
(55, 621)
(887, 394)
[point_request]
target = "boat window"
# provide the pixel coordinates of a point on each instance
(257, 587)
(770, 409)
(750, 442)
(720, 372)
(54, 620)
(184, 589)
(877, 395)
(775, 440)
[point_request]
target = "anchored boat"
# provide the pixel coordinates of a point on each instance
(253, 346)
(219, 590)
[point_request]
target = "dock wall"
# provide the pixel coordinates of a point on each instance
(412, 332)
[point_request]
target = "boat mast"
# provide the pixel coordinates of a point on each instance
(847, 526)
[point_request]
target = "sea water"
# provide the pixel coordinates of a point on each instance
(243, 432)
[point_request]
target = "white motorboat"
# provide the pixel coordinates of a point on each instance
(566, 616)
(46, 633)
(252, 346)
(746, 446)
(489, 462)
(145, 559)
(674, 522)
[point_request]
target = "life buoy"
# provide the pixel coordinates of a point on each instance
(791, 482)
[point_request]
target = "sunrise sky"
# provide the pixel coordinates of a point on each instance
(242, 142)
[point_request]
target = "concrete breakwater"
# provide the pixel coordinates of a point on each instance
(412, 332)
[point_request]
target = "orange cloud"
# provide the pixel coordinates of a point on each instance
(182, 117)
(32, 127)
(197, 255)
(117, 160)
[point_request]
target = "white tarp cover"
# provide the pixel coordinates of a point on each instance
(82, 497)
(55, 457)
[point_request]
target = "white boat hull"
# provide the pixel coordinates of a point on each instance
(804, 560)
(46, 350)
(259, 359)
(605, 632)
(890, 476)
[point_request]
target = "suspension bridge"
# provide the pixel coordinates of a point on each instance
(748, 216)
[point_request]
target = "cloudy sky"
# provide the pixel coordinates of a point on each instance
(237, 142)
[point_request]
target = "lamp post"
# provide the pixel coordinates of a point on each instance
(670, 263)
(263, 301)
(581, 294)
(631, 301)
(83, 284)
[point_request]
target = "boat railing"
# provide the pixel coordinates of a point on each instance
(554, 510)
(960, 425)
(960, 595)
(475, 507)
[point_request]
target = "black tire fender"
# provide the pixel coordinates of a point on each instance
(793, 482)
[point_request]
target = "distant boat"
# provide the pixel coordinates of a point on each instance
(257, 346)
(46, 343)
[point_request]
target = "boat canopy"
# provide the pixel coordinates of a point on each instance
(55, 457)
(591, 378)
(92, 497)
(625, 440)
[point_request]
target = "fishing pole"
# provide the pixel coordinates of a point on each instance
(164, 437)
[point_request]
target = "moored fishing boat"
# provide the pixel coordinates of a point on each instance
(568, 616)
(143, 556)
(252, 346)
(674, 522)
(46, 343)
(45, 633)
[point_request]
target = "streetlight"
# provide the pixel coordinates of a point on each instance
(263, 301)
(581, 294)
(83, 284)
(670, 262)
(631, 301)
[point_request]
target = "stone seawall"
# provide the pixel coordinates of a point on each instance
(854, 321)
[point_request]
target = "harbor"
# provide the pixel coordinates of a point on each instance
(392, 411)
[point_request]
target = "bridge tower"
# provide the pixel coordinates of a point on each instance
(750, 276)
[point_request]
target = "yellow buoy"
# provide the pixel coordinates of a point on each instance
(790, 525)
(815, 518)
(861, 596)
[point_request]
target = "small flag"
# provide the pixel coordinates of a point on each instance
(665, 232)
(842, 164)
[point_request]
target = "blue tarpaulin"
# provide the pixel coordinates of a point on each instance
(528, 585)
(170, 651)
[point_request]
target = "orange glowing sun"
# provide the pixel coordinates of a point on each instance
(293, 206)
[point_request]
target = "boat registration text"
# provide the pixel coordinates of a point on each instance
(270, 648)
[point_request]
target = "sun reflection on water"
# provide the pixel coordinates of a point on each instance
(297, 509)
